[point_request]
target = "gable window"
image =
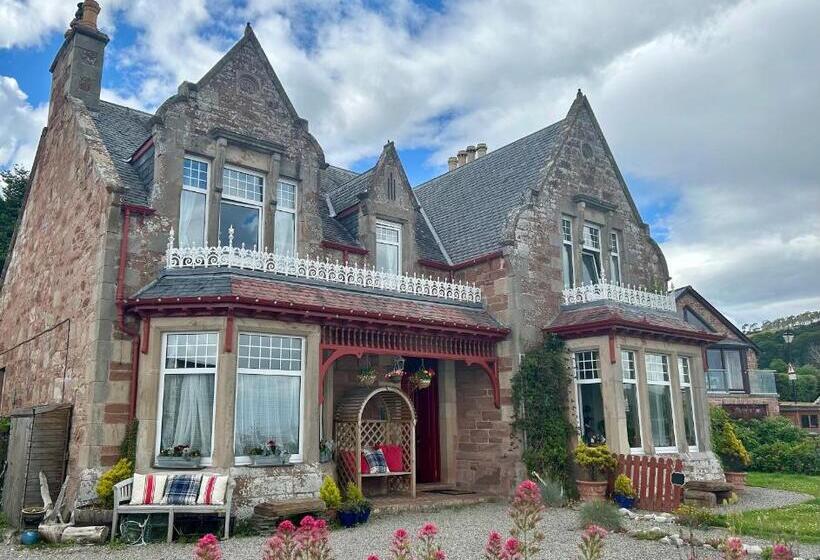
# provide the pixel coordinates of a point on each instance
(592, 426)
(391, 187)
(568, 266)
(284, 236)
(684, 370)
(241, 207)
(632, 404)
(614, 258)
(660, 403)
(591, 254)
(694, 319)
(186, 395)
(269, 394)
(193, 202)
(388, 247)
(725, 371)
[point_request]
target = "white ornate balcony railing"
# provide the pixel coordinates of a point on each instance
(228, 256)
(631, 295)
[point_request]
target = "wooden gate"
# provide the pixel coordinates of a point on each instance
(652, 479)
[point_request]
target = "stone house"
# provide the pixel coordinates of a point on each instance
(205, 271)
(733, 379)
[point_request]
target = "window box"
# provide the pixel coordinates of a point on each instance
(270, 460)
(178, 462)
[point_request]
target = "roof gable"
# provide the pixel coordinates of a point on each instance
(689, 290)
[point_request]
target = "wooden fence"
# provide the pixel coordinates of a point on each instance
(652, 479)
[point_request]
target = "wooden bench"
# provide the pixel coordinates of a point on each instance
(122, 495)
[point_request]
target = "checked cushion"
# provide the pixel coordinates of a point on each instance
(182, 489)
(375, 460)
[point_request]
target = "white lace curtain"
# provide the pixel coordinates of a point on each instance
(187, 411)
(267, 408)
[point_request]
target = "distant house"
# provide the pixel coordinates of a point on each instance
(205, 271)
(803, 415)
(733, 379)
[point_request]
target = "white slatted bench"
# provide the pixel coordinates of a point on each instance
(122, 495)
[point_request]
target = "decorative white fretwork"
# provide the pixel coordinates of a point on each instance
(631, 295)
(228, 256)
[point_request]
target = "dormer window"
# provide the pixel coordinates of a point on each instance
(388, 247)
(241, 207)
(284, 237)
(591, 254)
(193, 202)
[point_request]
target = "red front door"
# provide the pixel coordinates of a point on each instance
(428, 460)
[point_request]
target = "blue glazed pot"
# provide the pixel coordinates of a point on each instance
(363, 515)
(624, 501)
(347, 518)
(29, 537)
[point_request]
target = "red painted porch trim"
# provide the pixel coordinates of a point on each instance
(146, 330)
(612, 347)
(617, 324)
(142, 149)
(342, 247)
(229, 328)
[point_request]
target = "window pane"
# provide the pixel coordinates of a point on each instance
(245, 222)
(195, 174)
(267, 408)
(242, 185)
(593, 427)
(714, 358)
(660, 415)
(586, 365)
(633, 420)
(591, 267)
(270, 353)
(592, 237)
(191, 219)
(187, 407)
(688, 417)
(386, 234)
(657, 368)
(285, 196)
(566, 229)
(628, 367)
(734, 370)
(566, 259)
(190, 351)
(284, 236)
(387, 258)
(615, 269)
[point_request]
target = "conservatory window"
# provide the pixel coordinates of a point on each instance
(284, 238)
(269, 394)
(187, 392)
(684, 370)
(631, 402)
(568, 266)
(193, 202)
(591, 424)
(241, 208)
(659, 387)
(591, 254)
(388, 247)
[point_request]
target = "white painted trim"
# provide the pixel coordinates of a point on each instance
(206, 192)
(667, 383)
(294, 211)
(398, 229)
(259, 206)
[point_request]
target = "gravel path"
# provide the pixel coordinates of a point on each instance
(765, 498)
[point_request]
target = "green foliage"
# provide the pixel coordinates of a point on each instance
(330, 494)
(623, 486)
(777, 445)
(552, 491)
(698, 518)
(806, 386)
(539, 393)
(602, 513)
(128, 447)
(773, 348)
(648, 535)
(105, 485)
(11, 203)
(597, 460)
(354, 499)
(725, 443)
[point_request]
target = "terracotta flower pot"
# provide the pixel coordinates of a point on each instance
(591, 490)
(736, 479)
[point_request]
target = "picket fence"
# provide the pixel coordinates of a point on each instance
(652, 479)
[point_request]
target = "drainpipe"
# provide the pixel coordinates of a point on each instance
(128, 209)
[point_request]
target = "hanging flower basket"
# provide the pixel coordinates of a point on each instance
(367, 376)
(423, 377)
(395, 376)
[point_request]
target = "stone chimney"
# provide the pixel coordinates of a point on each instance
(77, 68)
(462, 157)
(452, 163)
(470, 153)
(480, 150)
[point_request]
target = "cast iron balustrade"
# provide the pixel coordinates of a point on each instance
(228, 256)
(609, 291)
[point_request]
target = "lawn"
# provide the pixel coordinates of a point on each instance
(792, 523)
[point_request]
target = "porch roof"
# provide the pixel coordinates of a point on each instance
(181, 290)
(603, 317)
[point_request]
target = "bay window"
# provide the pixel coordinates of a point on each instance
(284, 237)
(241, 207)
(614, 258)
(632, 405)
(186, 394)
(388, 247)
(269, 394)
(567, 251)
(685, 373)
(193, 203)
(592, 425)
(659, 387)
(591, 254)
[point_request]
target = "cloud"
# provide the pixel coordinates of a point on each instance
(20, 125)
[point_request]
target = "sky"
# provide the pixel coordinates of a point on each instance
(710, 106)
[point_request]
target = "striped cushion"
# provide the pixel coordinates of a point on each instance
(375, 460)
(212, 490)
(182, 489)
(148, 489)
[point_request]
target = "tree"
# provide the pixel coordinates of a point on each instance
(12, 193)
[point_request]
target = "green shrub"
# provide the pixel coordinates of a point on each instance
(799, 458)
(552, 491)
(330, 494)
(597, 460)
(698, 518)
(602, 513)
(105, 485)
(725, 442)
(623, 486)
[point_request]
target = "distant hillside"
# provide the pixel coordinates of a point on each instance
(805, 348)
(801, 320)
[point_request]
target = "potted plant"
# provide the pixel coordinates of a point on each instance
(624, 492)
(733, 456)
(269, 454)
(181, 456)
(360, 505)
(331, 496)
(596, 461)
(326, 450)
(347, 514)
(423, 377)
(367, 375)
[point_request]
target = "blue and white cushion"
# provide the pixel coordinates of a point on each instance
(182, 489)
(375, 460)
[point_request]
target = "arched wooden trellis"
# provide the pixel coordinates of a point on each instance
(367, 417)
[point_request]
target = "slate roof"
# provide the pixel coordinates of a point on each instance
(468, 206)
(123, 131)
(332, 230)
(285, 292)
(346, 195)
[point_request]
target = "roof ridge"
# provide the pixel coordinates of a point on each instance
(357, 177)
(340, 168)
(491, 153)
(146, 113)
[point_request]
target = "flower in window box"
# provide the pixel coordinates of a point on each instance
(180, 455)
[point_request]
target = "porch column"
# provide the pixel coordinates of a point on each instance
(327, 406)
(612, 394)
(702, 419)
(448, 420)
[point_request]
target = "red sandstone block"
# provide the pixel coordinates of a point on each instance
(117, 408)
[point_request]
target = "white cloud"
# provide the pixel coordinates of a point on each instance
(20, 124)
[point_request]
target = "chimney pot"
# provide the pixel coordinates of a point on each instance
(470, 153)
(91, 10)
(452, 163)
(462, 157)
(480, 150)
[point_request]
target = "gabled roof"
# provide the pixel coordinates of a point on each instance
(332, 230)
(468, 206)
(347, 194)
(680, 292)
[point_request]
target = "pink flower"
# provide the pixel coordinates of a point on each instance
(307, 521)
(492, 550)
(733, 549)
(781, 551)
(428, 531)
(373, 557)
(401, 534)
(512, 549)
(440, 555)
(595, 531)
(287, 527)
(207, 548)
(528, 491)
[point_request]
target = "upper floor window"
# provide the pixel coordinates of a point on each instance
(284, 237)
(591, 254)
(725, 370)
(241, 207)
(388, 247)
(193, 202)
(568, 266)
(614, 258)
(391, 187)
